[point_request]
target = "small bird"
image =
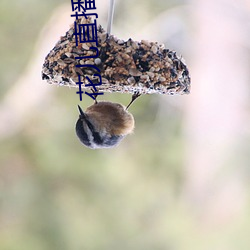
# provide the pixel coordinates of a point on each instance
(104, 124)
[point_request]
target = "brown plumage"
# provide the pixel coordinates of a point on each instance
(104, 124)
(111, 117)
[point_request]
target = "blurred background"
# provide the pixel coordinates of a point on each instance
(180, 182)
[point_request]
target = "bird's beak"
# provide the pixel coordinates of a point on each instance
(82, 115)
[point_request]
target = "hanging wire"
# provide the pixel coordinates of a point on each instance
(110, 15)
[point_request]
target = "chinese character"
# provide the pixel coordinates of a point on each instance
(87, 33)
(80, 92)
(88, 5)
(95, 91)
(94, 84)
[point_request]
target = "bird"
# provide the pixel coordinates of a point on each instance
(104, 124)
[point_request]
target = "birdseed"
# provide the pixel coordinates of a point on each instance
(126, 66)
